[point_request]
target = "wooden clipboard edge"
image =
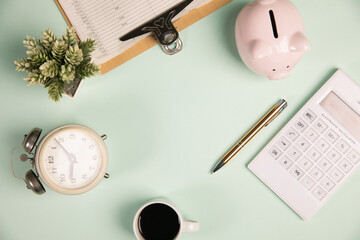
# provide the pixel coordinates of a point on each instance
(149, 42)
(65, 16)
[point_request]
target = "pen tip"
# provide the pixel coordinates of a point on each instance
(218, 166)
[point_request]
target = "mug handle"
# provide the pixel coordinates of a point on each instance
(190, 226)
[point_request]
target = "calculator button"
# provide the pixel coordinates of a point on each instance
(296, 172)
(342, 146)
(320, 126)
(322, 145)
(327, 184)
(286, 162)
(305, 163)
(319, 193)
(331, 136)
(275, 152)
(333, 155)
(336, 174)
(294, 153)
(325, 164)
(314, 154)
(303, 144)
(354, 156)
(345, 165)
(300, 125)
(312, 135)
(292, 134)
(309, 116)
(308, 182)
(316, 173)
(283, 143)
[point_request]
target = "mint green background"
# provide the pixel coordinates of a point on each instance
(168, 120)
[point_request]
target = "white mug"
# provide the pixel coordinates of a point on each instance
(185, 226)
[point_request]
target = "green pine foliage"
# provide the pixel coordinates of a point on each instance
(38, 58)
(23, 65)
(48, 39)
(67, 73)
(50, 68)
(35, 77)
(53, 61)
(58, 50)
(31, 43)
(74, 55)
(87, 69)
(55, 88)
(70, 36)
(87, 47)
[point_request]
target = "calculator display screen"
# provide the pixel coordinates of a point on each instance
(342, 112)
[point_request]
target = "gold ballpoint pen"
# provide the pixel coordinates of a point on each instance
(265, 120)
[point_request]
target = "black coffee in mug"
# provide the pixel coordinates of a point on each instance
(158, 222)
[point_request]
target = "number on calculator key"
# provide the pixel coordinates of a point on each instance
(333, 155)
(305, 163)
(314, 154)
(342, 146)
(312, 135)
(316, 173)
(294, 153)
(286, 162)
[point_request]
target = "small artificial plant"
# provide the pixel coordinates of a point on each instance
(53, 61)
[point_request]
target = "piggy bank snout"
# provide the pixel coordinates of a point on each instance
(279, 75)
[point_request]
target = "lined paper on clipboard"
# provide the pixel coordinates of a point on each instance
(107, 20)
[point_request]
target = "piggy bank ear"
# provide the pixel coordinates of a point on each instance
(259, 49)
(299, 43)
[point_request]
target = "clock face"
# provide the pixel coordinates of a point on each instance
(71, 159)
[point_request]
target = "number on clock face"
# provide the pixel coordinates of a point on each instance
(71, 158)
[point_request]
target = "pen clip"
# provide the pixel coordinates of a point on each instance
(163, 29)
(280, 106)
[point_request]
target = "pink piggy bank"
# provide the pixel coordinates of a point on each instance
(270, 37)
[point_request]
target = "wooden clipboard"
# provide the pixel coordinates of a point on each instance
(147, 43)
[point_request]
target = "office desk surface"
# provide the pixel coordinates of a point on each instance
(169, 119)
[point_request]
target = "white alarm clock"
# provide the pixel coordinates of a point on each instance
(71, 159)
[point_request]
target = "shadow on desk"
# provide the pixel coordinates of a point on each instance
(228, 32)
(126, 214)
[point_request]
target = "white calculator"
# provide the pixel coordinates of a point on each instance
(317, 150)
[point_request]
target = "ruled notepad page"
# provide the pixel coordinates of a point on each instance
(107, 20)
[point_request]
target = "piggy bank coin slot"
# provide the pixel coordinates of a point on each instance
(273, 23)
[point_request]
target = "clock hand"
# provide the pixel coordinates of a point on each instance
(62, 147)
(71, 157)
(71, 168)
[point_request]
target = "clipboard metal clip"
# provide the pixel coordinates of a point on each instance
(163, 29)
